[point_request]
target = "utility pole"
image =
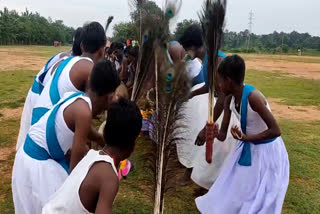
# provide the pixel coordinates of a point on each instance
(249, 29)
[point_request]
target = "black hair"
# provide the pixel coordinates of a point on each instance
(124, 122)
(93, 37)
(134, 51)
(76, 50)
(118, 46)
(104, 78)
(192, 36)
(233, 67)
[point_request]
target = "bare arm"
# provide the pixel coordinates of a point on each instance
(199, 91)
(124, 69)
(107, 194)
(218, 108)
(82, 119)
(79, 74)
(258, 104)
(226, 120)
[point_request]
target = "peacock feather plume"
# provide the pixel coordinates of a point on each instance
(212, 21)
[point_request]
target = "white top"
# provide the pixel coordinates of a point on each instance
(66, 200)
(193, 67)
(64, 84)
(255, 124)
(65, 136)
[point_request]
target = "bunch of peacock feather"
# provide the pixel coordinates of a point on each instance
(171, 85)
(212, 21)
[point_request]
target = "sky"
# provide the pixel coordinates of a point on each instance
(268, 15)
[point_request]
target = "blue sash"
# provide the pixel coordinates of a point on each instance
(55, 152)
(37, 85)
(37, 113)
(245, 158)
(198, 79)
(54, 92)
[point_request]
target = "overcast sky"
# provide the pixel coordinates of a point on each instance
(269, 15)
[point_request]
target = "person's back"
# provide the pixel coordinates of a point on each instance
(72, 74)
(42, 165)
(93, 183)
(38, 84)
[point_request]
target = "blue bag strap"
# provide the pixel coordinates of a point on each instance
(54, 148)
(54, 92)
(45, 70)
(245, 158)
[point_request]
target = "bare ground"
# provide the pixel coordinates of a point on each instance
(301, 113)
(20, 60)
(297, 69)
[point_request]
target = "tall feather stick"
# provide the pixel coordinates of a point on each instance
(171, 88)
(212, 20)
(110, 18)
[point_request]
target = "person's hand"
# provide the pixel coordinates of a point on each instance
(237, 133)
(201, 138)
(212, 130)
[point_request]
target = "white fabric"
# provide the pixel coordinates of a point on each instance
(193, 67)
(195, 113)
(205, 174)
(34, 181)
(64, 84)
(31, 99)
(66, 200)
(259, 188)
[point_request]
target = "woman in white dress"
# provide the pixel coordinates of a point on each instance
(256, 177)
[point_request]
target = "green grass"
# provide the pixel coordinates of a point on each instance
(8, 135)
(14, 87)
(302, 143)
(135, 194)
(291, 90)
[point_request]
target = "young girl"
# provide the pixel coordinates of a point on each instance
(256, 178)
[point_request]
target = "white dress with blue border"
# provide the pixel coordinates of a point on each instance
(34, 92)
(256, 177)
(41, 167)
(57, 86)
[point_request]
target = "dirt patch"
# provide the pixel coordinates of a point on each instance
(20, 60)
(8, 113)
(6, 152)
(282, 111)
(298, 69)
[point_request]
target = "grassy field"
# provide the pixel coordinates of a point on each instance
(135, 195)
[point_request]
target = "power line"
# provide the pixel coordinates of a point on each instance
(250, 24)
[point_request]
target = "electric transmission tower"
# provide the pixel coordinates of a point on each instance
(249, 29)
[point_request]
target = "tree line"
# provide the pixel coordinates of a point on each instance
(29, 28)
(275, 42)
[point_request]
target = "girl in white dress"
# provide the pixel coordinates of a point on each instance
(256, 177)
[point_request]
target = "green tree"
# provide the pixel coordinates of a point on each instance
(123, 31)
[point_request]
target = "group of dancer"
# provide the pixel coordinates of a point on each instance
(55, 171)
